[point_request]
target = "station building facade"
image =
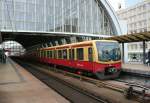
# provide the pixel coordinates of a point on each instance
(138, 20)
(72, 16)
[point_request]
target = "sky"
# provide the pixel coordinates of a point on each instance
(129, 3)
(115, 4)
(124, 3)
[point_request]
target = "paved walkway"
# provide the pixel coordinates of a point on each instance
(19, 86)
(136, 68)
(6, 69)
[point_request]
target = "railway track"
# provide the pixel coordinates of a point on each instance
(101, 83)
(128, 78)
(50, 70)
(71, 93)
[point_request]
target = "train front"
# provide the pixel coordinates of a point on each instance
(108, 64)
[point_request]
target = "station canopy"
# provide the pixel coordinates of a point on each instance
(136, 37)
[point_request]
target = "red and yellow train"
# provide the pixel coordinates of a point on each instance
(99, 57)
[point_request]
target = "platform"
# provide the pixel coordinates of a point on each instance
(140, 69)
(19, 86)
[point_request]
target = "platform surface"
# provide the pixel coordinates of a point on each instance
(136, 68)
(19, 86)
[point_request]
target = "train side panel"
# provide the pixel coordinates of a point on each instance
(89, 62)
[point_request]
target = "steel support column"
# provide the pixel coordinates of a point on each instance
(123, 52)
(144, 53)
(0, 37)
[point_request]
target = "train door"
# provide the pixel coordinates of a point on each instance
(71, 57)
(90, 58)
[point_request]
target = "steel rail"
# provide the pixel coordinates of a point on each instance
(37, 72)
(99, 83)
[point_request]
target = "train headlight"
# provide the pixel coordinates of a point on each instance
(112, 70)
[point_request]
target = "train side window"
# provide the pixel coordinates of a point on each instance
(50, 54)
(60, 54)
(69, 54)
(90, 54)
(72, 54)
(55, 54)
(65, 54)
(37, 53)
(40, 54)
(44, 53)
(80, 55)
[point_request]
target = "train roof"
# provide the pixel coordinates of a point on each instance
(78, 43)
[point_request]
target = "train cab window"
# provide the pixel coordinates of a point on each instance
(108, 51)
(60, 54)
(80, 55)
(65, 54)
(90, 54)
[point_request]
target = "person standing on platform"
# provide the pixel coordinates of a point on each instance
(148, 55)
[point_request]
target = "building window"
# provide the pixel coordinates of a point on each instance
(80, 54)
(145, 29)
(136, 47)
(141, 46)
(146, 45)
(129, 47)
(144, 6)
(132, 47)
